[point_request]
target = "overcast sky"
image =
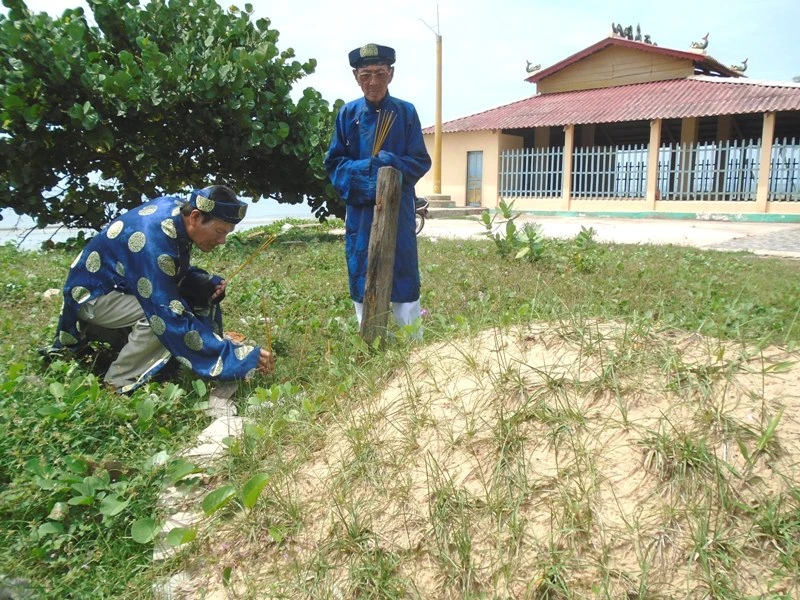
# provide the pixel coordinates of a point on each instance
(486, 42)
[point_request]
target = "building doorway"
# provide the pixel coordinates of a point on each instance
(474, 178)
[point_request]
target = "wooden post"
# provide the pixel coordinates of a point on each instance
(724, 128)
(652, 195)
(380, 256)
(690, 127)
(569, 148)
(765, 162)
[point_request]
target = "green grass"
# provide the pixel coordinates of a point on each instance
(79, 466)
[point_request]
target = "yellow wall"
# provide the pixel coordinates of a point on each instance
(616, 66)
(454, 164)
(604, 205)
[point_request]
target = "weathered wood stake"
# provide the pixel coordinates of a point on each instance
(380, 256)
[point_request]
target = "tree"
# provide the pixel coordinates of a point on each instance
(162, 98)
(796, 78)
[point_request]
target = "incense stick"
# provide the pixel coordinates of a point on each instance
(267, 323)
(252, 256)
(387, 126)
(386, 119)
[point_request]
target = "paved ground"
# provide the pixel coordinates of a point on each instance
(775, 239)
(770, 239)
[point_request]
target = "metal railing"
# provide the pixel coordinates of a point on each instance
(610, 172)
(708, 171)
(724, 170)
(784, 172)
(532, 172)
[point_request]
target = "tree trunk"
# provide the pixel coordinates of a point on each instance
(380, 256)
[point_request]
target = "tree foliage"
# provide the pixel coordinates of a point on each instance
(141, 101)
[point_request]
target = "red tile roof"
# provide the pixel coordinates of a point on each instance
(697, 96)
(702, 62)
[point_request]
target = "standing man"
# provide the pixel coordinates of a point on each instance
(354, 157)
(132, 286)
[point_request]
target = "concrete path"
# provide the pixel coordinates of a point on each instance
(770, 239)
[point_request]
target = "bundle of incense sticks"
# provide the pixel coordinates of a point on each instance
(252, 256)
(267, 323)
(386, 119)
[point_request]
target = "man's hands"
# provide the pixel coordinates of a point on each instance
(219, 290)
(386, 159)
(266, 362)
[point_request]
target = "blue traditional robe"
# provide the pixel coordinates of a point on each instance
(354, 172)
(146, 253)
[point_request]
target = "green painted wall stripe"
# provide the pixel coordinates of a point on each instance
(689, 216)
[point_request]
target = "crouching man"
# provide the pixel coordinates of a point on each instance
(133, 287)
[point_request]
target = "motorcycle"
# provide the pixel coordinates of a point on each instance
(421, 213)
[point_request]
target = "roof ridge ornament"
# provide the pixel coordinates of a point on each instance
(626, 33)
(701, 45)
(740, 68)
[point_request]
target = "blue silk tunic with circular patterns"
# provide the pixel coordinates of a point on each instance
(146, 253)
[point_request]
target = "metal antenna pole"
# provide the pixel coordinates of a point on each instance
(437, 136)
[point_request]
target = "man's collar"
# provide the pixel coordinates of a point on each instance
(380, 104)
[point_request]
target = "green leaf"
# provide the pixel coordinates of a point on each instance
(144, 530)
(172, 393)
(199, 387)
(90, 121)
(181, 535)
(126, 59)
(743, 449)
(101, 139)
(252, 489)
(254, 431)
(277, 534)
(511, 230)
(59, 511)
(76, 465)
(522, 253)
(45, 483)
(769, 433)
(56, 390)
(50, 528)
(34, 466)
(780, 367)
(157, 460)
(218, 498)
(111, 505)
(283, 130)
(178, 469)
(80, 501)
(145, 409)
(12, 103)
(75, 30)
(53, 410)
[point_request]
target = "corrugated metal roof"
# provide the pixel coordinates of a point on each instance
(702, 61)
(693, 97)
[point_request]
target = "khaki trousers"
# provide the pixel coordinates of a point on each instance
(143, 350)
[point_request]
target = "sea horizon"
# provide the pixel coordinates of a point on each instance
(17, 230)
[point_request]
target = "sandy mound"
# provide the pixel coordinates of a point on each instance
(596, 458)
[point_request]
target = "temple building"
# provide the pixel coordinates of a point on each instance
(626, 127)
